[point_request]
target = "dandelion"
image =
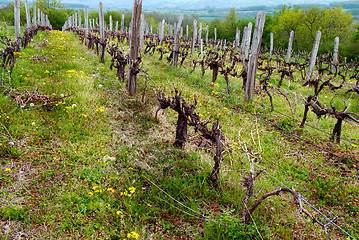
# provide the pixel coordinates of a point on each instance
(125, 193)
(100, 85)
(132, 190)
(91, 193)
(62, 95)
(133, 235)
(7, 170)
(354, 145)
(119, 212)
(74, 105)
(33, 123)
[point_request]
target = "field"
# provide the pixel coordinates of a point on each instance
(93, 162)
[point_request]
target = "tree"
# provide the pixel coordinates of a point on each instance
(47, 6)
(55, 11)
(215, 23)
(332, 22)
(284, 21)
(351, 49)
(229, 25)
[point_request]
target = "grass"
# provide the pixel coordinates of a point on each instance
(100, 165)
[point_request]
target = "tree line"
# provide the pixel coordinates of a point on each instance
(305, 22)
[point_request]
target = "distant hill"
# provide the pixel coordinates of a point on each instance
(182, 4)
(210, 9)
(195, 4)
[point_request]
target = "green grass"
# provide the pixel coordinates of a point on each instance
(71, 169)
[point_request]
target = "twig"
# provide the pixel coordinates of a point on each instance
(6, 130)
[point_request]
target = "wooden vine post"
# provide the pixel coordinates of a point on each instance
(238, 32)
(290, 44)
(313, 58)
(142, 30)
(80, 20)
(215, 35)
(38, 16)
(17, 18)
(177, 39)
(110, 20)
(28, 17)
(102, 32)
(34, 16)
(194, 38)
(335, 53)
(134, 46)
(200, 32)
(207, 30)
(248, 40)
(86, 25)
(271, 45)
(253, 60)
(162, 31)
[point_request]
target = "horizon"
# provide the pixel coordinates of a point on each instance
(186, 4)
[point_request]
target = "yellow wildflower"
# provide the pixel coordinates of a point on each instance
(7, 170)
(132, 189)
(133, 235)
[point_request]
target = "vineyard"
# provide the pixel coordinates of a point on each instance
(115, 133)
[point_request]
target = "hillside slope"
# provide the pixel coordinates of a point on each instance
(95, 163)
